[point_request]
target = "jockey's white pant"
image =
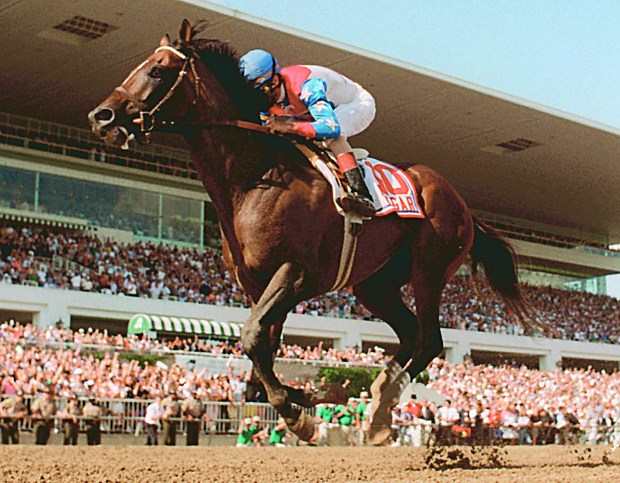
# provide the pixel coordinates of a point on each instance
(355, 116)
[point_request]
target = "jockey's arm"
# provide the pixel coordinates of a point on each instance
(325, 124)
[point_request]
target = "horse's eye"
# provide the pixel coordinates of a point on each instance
(156, 73)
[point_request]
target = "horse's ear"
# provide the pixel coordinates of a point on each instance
(165, 40)
(185, 32)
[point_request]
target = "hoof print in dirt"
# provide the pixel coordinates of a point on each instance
(447, 458)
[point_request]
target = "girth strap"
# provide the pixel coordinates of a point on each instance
(352, 228)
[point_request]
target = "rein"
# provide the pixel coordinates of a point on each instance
(148, 123)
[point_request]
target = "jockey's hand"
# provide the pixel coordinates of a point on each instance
(275, 125)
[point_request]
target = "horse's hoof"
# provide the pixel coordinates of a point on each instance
(381, 425)
(380, 435)
(385, 379)
(304, 428)
(377, 386)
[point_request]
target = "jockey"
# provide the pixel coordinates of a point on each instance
(331, 107)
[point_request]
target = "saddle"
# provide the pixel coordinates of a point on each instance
(391, 188)
(325, 162)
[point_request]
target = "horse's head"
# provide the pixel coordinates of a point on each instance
(188, 79)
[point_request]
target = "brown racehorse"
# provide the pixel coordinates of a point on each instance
(282, 236)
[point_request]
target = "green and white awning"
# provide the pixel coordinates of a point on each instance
(141, 323)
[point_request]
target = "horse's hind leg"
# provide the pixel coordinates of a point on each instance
(440, 253)
(284, 290)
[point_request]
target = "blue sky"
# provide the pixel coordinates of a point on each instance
(562, 54)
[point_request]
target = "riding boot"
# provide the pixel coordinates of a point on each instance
(359, 199)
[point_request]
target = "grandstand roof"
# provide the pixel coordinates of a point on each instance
(505, 155)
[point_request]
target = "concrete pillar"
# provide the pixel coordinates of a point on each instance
(351, 338)
(551, 360)
(456, 354)
(52, 314)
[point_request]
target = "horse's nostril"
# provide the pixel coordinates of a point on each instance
(104, 115)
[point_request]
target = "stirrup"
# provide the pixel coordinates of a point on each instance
(357, 204)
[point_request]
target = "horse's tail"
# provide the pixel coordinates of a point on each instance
(499, 260)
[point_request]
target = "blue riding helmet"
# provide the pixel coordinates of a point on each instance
(258, 66)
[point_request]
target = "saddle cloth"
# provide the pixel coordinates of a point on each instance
(391, 188)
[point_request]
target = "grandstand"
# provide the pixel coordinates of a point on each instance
(57, 178)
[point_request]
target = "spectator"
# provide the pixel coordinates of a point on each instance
(70, 421)
(325, 418)
(510, 424)
(446, 417)
(524, 425)
(568, 426)
(238, 388)
(154, 413)
(12, 412)
(250, 433)
(278, 434)
(172, 410)
(345, 414)
(43, 410)
(361, 420)
(92, 419)
(193, 412)
(543, 428)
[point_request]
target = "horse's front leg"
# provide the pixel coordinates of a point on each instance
(329, 393)
(285, 289)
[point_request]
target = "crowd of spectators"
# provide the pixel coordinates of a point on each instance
(138, 270)
(159, 271)
(512, 404)
(31, 360)
(353, 356)
(571, 315)
(526, 406)
(26, 335)
(484, 404)
(70, 372)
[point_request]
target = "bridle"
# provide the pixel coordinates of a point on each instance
(149, 123)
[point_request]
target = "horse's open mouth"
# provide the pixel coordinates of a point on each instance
(120, 136)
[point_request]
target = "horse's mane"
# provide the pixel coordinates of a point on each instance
(223, 61)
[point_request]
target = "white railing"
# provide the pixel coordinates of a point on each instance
(127, 415)
(73, 142)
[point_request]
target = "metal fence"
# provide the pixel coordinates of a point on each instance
(127, 415)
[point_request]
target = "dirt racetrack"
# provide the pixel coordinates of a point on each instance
(305, 464)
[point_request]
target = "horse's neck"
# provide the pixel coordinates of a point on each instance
(223, 155)
(227, 166)
(228, 160)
